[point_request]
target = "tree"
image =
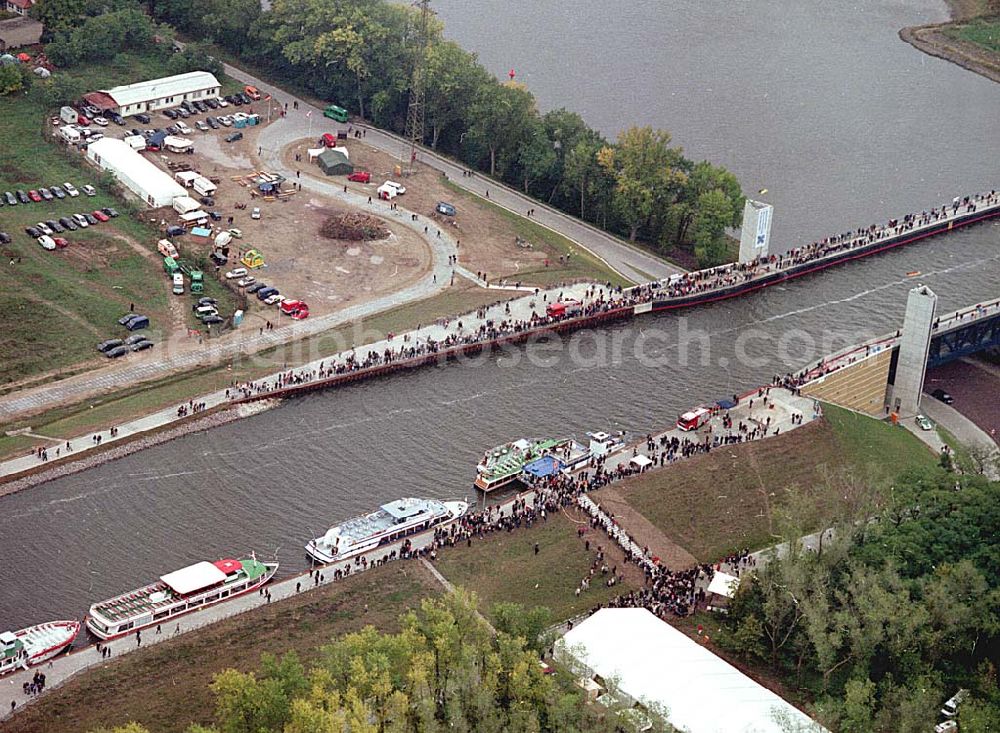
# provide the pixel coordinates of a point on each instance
(194, 57)
(533, 625)
(57, 90)
(500, 122)
(713, 215)
(647, 174)
(537, 157)
(12, 79)
(453, 81)
(229, 21)
(705, 177)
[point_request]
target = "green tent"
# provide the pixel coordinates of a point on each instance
(334, 163)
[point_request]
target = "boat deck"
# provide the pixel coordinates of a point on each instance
(511, 462)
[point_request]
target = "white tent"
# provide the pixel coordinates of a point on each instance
(315, 153)
(176, 143)
(148, 182)
(641, 461)
(724, 584)
(653, 662)
(184, 204)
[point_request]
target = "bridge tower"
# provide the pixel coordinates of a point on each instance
(415, 110)
(914, 346)
(755, 236)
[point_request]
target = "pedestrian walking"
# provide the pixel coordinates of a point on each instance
(158, 629)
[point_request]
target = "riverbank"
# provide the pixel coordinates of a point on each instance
(952, 40)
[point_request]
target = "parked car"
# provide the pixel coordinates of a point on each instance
(55, 226)
(46, 194)
(207, 301)
(143, 118)
(219, 259)
(255, 214)
(116, 118)
(90, 190)
(443, 207)
(100, 122)
(170, 114)
(43, 228)
(34, 195)
(105, 346)
(116, 352)
(207, 201)
(91, 219)
(225, 120)
(201, 125)
(136, 338)
(100, 215)
(175, 231)
(221, 102)
(211, 103)
(81, 221)
(110, 212)
(10, 198)
(183, 113)
(83, 121)
(273, 299)
(5, 238)
(265, 293)
(237, 233)
(212, 319)
(47, 242)
(924, 423)
(61, 243)
(58, 192)
(237, 273)
(233, 137)
(212, 122)
(204, 310)
(400, 188)
(215, 216)
(141, 345)
(184, 129)
(33, 232)
(940, 394)
(68, 223)
(360, 177)
(256, 287)
(22, 196)
(246, 281)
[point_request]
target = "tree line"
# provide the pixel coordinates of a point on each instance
(446, 670)
(884, 623)
(361, 54)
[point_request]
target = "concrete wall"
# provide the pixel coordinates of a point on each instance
(860, 386)
(914, 345)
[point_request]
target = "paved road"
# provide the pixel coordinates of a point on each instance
(635, 264)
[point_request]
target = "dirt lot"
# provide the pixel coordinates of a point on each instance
(486, 239)
(329, 274)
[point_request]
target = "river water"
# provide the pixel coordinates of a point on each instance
(272, 481)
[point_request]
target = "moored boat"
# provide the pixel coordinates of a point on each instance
(503, 465)
(391, 522)
(174, 594)
(35, 644)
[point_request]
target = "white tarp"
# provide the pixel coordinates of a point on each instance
(653, 661)
(315, 153)
(724, 584)
(640, 461)
(193, 577)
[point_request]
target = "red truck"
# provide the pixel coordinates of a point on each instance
(564, 309)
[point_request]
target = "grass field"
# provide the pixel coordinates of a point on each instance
(504, 567)
(720, 502)
(984, 32)
(165, 687)
(56, 305)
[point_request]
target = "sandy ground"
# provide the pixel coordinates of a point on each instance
(328, 274)
(486, 239)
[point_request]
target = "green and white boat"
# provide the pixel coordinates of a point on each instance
(182, 591)
(35, 644)
(503, 465)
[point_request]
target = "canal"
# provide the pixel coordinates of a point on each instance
(844, 124)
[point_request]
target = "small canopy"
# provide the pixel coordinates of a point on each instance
(42, 72)
(315, 153)
(724, 584)
(176, 142)
(193, 577)
(726, 404)
(403, 509)
(228, 566)
(334, 163)
(641, 461)
(23, 57)
(543, 467)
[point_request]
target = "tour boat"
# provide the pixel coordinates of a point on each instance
(503, 465)
(182, 591)
(35, 644)
(389, 523)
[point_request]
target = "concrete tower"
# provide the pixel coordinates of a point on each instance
(756, 234)
(914, 344)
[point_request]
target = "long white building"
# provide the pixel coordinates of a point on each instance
(154, 94)
(144, 179)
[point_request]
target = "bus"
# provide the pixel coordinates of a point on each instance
(335, 113)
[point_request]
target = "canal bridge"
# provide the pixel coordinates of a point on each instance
(887, 374)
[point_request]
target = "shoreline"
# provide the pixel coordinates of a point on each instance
(931, 40)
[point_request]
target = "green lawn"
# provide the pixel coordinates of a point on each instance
(983, 32)
(57, 305)
(504, 567)
(724, 501)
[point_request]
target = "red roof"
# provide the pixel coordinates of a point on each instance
(228, 566)
(24, 4)
(101, 100)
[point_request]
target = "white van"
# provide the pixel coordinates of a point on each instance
(178, 284)
(205, 310)
(950, 709)
(400, 188)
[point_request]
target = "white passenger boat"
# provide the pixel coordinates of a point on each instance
(391, 522)
(35, 644)
(182, 591)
